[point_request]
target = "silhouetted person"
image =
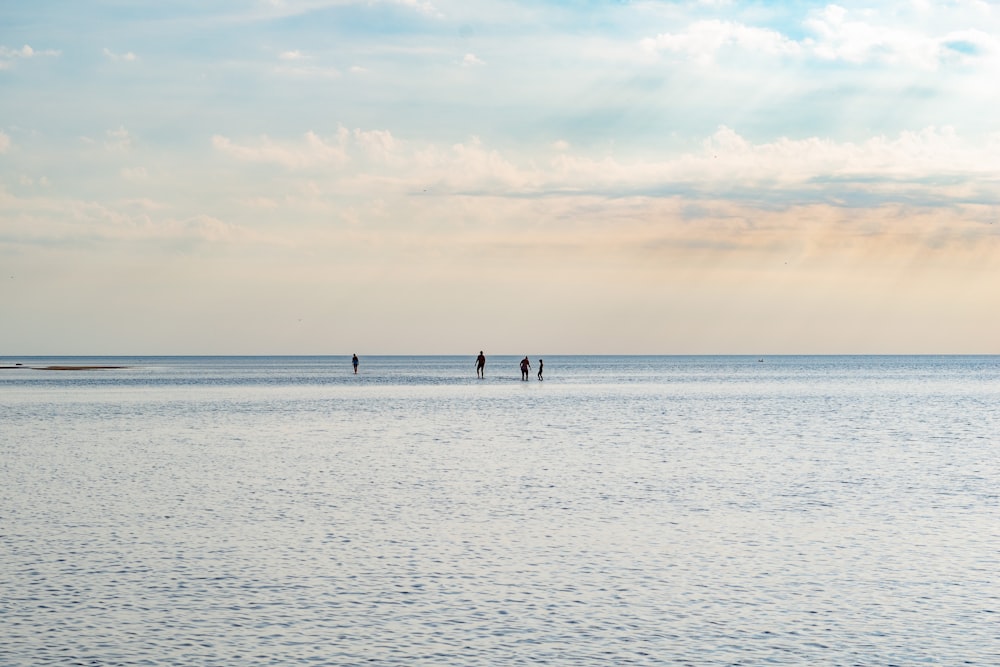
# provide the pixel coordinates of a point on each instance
(541, 365)
(525, 367)
(480, 365)
(354, 362)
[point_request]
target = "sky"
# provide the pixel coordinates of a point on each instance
(518, 177)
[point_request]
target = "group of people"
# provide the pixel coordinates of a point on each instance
(525, 367)
(481, 366)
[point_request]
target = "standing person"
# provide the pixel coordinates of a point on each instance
(541, 365)
(480, 365)
(525, 367)
(354, 362)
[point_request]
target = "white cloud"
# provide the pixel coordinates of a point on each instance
(841, 35)
(204, 227)
(704, 39)
(128, 57)
(26, 52)
(118, 140)
(280, 8)
(420, 6)
(470, 60)
(838, 37)
(297, 64)
(312, 151)
(376, 143)
(933, 163)
(869, 37)
(5, 142)
(28, 181)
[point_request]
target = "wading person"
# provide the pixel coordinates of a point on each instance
(541, 365)
(480, 365)
(525, 367)
(354, 362)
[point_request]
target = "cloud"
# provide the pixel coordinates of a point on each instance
(312, 151)
(838, 37)
(5, 142)
(284, 8)
(376, 143)
(933, 166)
(864, 37)
(420, 6)
(704, 39)
(118, 140)
(470, 60)
(54, 220)
(834, 33)
(26, 52)
(28, 181)
(128, 57)
(296, 64)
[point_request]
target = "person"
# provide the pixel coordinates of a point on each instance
(525, 367)
(354, 362)
(480, 365)
(541, 365)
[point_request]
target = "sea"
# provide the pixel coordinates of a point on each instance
(624, 510)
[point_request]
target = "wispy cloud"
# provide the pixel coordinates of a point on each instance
(701, 41)
(5, 142)
(297, 64)
(8, 56)
(933, 165)
(127, 57)
(134, 173)
(839, 35)
(278, 8)
(118, 139)
(26, 52)
(313, 150)
(833, 33)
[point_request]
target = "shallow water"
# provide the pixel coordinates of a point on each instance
(636, 510)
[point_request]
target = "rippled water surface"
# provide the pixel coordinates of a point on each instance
(638, 510)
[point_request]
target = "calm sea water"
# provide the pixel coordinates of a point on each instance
(637, 510)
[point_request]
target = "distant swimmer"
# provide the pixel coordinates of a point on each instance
(525, 367)
(354, 362)
(541, 365)
(480, 365)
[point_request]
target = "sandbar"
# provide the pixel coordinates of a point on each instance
(64, 368)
